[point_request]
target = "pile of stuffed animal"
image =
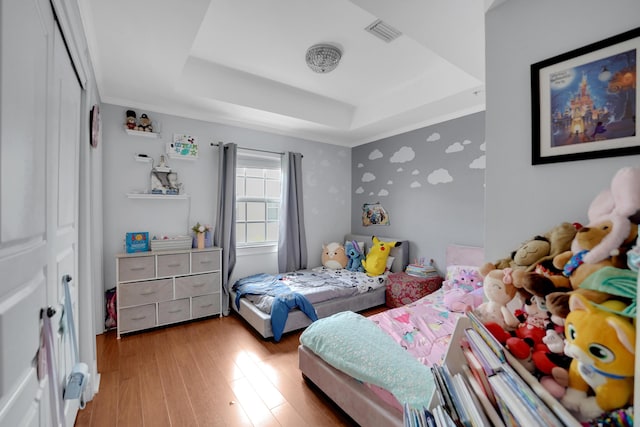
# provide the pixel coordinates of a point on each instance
(564, 302)
(351, 256)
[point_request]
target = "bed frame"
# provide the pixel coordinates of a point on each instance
(353, 397)
(261, 321)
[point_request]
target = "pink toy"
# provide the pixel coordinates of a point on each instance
(462, 288)
(620, 204)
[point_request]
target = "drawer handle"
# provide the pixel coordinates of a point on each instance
(137, 268)
(148, 292)
(209, 261)
(139, 318)
(199, 284)
(174, 265)
(206, 305)
(175, 310)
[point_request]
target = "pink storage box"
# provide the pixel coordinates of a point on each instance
(403, 289)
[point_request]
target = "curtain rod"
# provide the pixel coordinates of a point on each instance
(213, 144)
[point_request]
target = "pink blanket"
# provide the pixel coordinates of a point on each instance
(423, 328)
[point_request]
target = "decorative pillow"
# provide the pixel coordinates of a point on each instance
(334, 256)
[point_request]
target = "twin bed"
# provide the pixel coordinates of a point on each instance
(423, 329)
(355, 301)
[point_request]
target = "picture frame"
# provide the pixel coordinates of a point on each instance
(584, 102)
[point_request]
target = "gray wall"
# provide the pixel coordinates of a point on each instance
(327, 175)
(431, 183)
(523, 200)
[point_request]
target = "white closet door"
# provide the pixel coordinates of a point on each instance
(39, 133)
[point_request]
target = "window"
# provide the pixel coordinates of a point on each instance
(258, 189)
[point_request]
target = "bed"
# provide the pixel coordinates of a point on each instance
(421, 331)
(261, 321)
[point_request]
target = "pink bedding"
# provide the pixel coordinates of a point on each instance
(423, 327)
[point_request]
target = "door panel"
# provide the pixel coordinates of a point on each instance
(40, 111)
(23, 84)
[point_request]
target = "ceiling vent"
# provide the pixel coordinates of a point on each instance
(383, 30)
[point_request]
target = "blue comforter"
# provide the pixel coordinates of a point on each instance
(284, 299)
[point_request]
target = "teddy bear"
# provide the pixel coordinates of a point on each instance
(499, 291)
(537, 250)
(131, 120)
(145, 123)
(602, 345)
(557, 288)
(376, 261)
(355, 255)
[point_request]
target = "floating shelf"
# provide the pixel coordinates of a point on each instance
(157, 196)
(140, 133)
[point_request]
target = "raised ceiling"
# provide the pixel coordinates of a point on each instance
(242, 63)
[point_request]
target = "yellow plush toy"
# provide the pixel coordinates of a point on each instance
(376, 261)
(602, 345)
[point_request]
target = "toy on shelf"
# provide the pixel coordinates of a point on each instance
(131, 122)
(144, 125)
(602, 345)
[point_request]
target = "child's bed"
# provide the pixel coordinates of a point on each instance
(423, 329)
(261, 321)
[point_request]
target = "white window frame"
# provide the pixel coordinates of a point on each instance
(265, 161)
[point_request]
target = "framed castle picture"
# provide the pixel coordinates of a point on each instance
(584, 102)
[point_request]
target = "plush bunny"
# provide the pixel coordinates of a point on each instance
(619, 204)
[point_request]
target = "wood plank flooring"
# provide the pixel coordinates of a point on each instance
(212, 372)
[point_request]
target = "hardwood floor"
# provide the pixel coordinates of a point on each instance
(212, 372)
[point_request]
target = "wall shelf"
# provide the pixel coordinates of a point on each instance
(140, 133)
(157, 196)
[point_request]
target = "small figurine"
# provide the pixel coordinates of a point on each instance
(131, 120)
(145, 123)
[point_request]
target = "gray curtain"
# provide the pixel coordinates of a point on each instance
(224, 235)
(292, 240)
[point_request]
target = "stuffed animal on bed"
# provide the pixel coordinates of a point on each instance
(334, 256)
(355, 255)
(376, 261)
(602, 345)
(462, 288)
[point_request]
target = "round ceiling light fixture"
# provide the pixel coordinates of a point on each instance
(323, 58)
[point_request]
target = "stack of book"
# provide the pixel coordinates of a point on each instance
(420, 269)
(489, 389)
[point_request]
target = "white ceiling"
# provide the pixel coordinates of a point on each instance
(241, 62)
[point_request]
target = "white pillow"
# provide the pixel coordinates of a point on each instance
(390, 262)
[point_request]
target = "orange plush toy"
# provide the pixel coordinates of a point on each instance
(376, 261)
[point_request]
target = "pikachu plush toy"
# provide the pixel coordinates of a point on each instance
(376, 261)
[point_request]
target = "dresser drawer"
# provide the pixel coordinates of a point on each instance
(205, 305)
(136, 268)
(135, 318)
(191, 286)
(173, 311)
(145, 292)
(171, 265)
(205, 261)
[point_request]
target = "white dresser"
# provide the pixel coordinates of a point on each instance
(164, 287)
